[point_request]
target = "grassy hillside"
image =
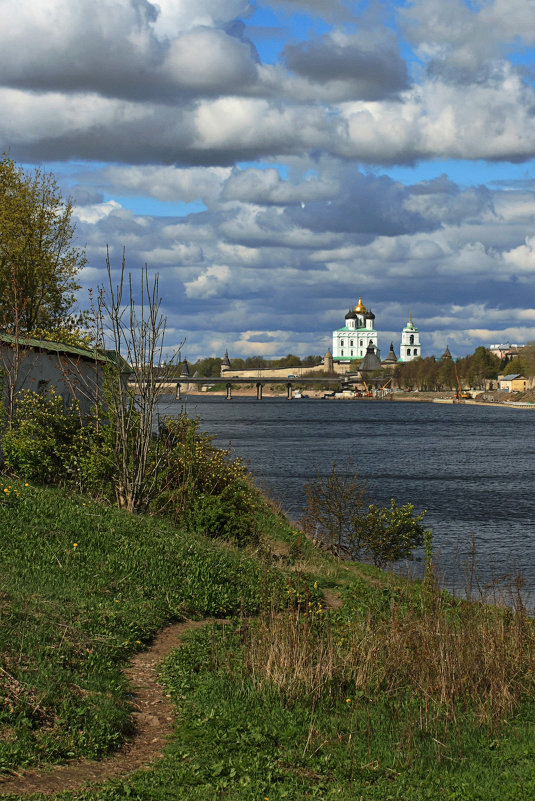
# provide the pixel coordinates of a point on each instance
(336, 681)
(83, 586)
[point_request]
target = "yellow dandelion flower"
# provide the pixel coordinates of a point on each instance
(75, 545)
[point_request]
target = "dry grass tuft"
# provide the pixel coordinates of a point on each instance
(446, 655)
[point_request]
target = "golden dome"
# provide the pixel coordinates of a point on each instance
(360, 308)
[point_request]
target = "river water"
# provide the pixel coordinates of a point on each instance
(471, 467)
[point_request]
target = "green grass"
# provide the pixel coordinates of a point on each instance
(233, 741)
(239, 741)
(82, 587)
(255, 719)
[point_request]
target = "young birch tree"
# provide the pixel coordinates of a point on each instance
(136, 334)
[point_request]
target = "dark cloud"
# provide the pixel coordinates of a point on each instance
(364, 204)
(371, 67)
(266, 187)
(444, 201)
(237, 28)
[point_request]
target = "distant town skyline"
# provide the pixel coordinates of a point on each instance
(273, 161)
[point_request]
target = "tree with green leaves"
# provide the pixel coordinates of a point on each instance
(336, 518)
(388, 534)
(523, 363)
(38, 259)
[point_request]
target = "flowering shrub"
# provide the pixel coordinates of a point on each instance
(390, 534)
(50, 444)
(198, 484)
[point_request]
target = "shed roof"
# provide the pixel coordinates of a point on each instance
(512, 376)
(109, 357)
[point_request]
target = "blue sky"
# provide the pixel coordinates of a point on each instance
(274, 161)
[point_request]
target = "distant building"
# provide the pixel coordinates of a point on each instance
(391, 358)
(358, 335)
(506, 350)
(515, 382)
(410, 347)
(353, 339)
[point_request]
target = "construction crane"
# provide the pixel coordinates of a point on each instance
(368, 393)
(459, 394)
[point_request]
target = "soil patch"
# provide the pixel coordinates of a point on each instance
(153, 717)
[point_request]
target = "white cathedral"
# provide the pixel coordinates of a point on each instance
(358, 334)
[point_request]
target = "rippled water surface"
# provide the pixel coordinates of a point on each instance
(471, 467)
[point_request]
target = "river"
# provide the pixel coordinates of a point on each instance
(471, 467)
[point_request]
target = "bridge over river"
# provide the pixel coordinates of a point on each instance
(174, 385)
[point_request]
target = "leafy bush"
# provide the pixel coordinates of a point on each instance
(197, 483)
(387, 535)
(50, 444)
(229, 515)
(192, 461)
(204, 486)
(336, 519)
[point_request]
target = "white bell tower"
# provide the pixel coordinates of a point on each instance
(410, 347)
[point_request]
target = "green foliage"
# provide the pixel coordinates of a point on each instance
(336, 519)
(230, 515)
(430, 374)
(388, 535)
(211, 366)
(197, 483)
(49, 443)
(38, 262)
(204, 485)
(70, 333)
(524, 363)
(83, 586)
(206, 367)
(477, 368)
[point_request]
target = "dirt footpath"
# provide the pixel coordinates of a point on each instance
(153, 718)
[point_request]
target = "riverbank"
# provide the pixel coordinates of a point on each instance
(336, 680)
(496, 399)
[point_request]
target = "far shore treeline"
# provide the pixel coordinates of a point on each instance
(478, 370)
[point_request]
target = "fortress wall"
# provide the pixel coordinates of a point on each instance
(281, 372)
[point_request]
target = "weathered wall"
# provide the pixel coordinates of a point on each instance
(282, 372)
(38, 371)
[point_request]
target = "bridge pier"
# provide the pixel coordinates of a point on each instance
(177, 394)
(289, 391)
(259, 390)
(229, 391)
